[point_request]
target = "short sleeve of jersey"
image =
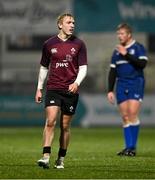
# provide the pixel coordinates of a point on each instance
(45, 60)
(113, 60)
(82, 55)
(141, 52)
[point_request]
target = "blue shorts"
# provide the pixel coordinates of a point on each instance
(130, 89)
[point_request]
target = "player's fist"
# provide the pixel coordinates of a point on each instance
(121, 49)
(111, 97)
(38, 96)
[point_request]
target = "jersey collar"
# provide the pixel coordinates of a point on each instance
(129, 45)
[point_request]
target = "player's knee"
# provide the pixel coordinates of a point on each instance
(125, 118)
(133, 115)
(65, 127)
(50, 123)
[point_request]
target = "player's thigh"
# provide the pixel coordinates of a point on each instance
(123, 108)
(52, 111)
(51, 115)
(134, 107)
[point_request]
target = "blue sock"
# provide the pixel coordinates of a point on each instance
(128, 136)
(135, 132)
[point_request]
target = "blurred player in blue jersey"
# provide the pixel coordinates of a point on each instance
(126, 69)
(64, 63)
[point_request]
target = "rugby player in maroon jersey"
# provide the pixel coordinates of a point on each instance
(63, 66)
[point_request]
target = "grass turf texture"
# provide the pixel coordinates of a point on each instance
(91, 155)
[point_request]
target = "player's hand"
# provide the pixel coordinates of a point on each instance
(73, 88)
(38, 97)
(111, 97)
(121, 49)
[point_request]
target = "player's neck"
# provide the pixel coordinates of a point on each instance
(63, 36)
(128, 42)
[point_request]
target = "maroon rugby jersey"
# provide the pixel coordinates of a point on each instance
(63, 59)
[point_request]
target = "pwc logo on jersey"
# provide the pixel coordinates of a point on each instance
(62, 64)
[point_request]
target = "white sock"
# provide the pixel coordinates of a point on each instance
(61, 158)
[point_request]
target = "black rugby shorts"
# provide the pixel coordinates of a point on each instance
(65, 100)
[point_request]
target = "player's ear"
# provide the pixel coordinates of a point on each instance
(129, 35)
(60, 25)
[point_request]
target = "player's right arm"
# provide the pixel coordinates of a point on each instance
(41, 79)
(45, 60)
(111, 83)
(111, 80)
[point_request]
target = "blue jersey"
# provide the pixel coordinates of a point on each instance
(124, 69)
(130, 79)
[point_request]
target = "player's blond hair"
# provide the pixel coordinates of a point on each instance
(125, 26)
(61, 17)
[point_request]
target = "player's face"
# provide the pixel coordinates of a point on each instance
(123, 36)
(67, 25)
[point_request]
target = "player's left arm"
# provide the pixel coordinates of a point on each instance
(139, 62)
(81, 74)
(80, 77)
(82, 62)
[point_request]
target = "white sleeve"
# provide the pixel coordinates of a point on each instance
(81, 74)
(42, 76)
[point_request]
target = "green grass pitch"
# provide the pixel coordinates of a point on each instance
(91, 155)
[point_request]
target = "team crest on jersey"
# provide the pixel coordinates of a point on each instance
(131, 51)
(69, 57)
(73, 51)
(54, 50)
